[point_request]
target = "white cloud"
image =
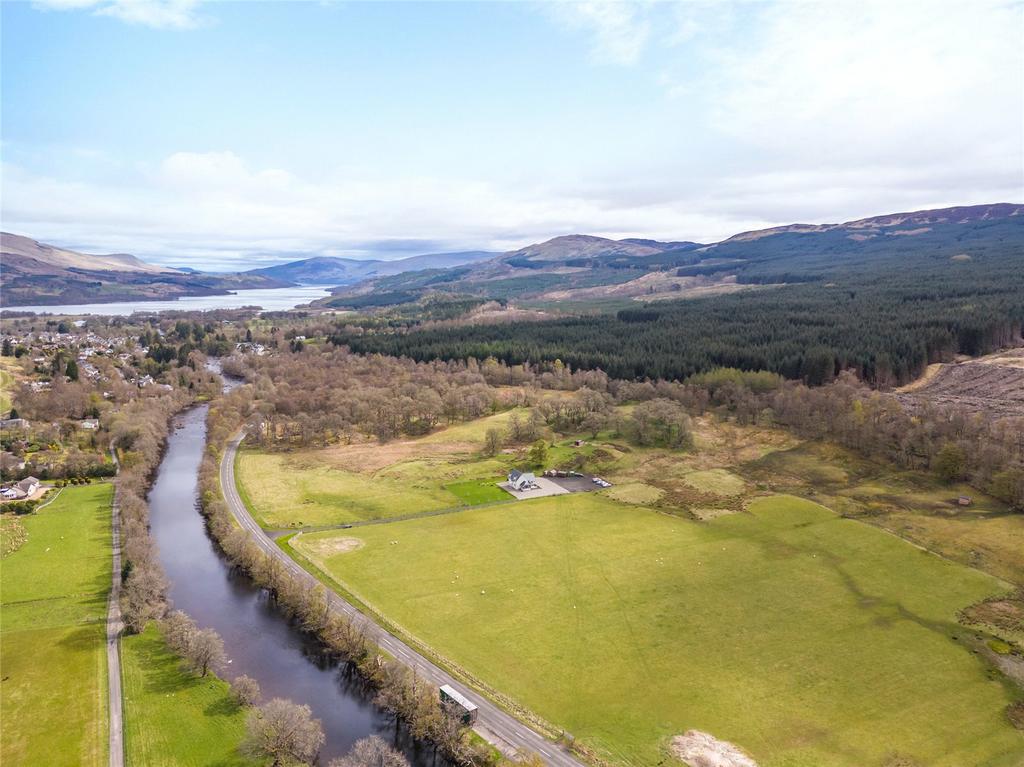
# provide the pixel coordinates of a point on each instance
(619, 28)
(854, 81)
(158, 14)
(212, 210)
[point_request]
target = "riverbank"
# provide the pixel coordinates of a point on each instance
(260, 639)
(163, 701)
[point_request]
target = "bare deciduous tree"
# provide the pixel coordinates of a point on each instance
(492, 442)
(204, 651)
(370, 752)
(282, 730)
(245, 690)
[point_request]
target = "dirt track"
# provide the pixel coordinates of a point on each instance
(992, 385)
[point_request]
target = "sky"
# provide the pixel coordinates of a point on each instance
(229, 135)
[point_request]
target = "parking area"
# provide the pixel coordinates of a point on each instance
(555, 485)
(543, 487)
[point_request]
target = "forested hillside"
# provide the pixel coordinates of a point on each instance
(884, 307)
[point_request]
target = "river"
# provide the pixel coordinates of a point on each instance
(258, 638)
(268, 299)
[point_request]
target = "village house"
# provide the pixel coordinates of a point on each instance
(21, 490)
(14, 423)
(29, 485)
(89, 423)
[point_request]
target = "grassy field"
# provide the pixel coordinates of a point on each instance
(6, 382)
(912, 505)
(52, 639)
(173, 717)
(286, 490)
(355, 483)
(807, 639)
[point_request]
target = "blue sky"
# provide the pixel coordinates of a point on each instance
(220, 135)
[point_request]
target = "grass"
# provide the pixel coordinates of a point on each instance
(805, 638)
(634, 492)
(294, 491)
(474, 492)
(715, 481)
(173, 717)
(6, 387)
(52, 639)
(913, 505)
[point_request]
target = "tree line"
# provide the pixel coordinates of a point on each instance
(883, 309)
(400, 690)
(327, 395)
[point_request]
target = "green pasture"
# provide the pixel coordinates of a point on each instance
(173, 717)
(53, 699)
(807, 639)
(283, 492)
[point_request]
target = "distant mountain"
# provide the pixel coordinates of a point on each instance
(663, 246)
(331, 270)
(32, 257)
(37, 273)
(585, 268)
(907, 222)
(584, 246)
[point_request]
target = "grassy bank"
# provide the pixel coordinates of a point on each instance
(805, 638)
(52, 638)
(173, 717)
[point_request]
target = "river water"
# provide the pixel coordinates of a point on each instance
(258, 638)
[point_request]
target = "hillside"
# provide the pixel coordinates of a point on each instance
(37, 273)
(330, 270)
(804, 304)
(31, 256)
(584, 269)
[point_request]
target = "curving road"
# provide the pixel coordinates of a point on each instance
(495, 725)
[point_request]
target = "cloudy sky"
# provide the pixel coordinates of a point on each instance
(227, 135)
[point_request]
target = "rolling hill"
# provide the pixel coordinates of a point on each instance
(330, 270)
(36, 273)
(584, 269)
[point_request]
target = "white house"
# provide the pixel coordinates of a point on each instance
(29, 485)
(521, 480)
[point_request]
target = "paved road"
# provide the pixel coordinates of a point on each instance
(114, 627)
(503, 730)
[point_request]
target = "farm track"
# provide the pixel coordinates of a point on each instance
(506, 733)
(985, 387)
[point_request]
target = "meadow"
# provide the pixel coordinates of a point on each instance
(803, 637)
(6, 386)
(173, 717)
(367, 481)
(52, 639)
